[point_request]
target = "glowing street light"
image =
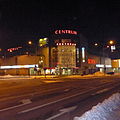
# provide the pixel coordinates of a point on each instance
(112, 45)
(30, 42)
(96, 44)
(111, 42)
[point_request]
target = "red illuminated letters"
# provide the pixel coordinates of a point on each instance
(66, 32)
(91, 61)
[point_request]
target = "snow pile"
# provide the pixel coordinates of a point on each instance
(8, 76)
(99, 73)
(109, 109)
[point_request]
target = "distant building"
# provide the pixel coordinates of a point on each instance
(116, 65)
(65, 52)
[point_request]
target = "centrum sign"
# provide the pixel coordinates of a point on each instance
(65, 32)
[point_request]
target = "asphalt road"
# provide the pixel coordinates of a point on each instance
(53, 98)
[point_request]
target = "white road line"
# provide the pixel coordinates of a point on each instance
(55, 116)
(62, 111)
(12, 107)
(38, 107)
(24, 101)
(102, 91)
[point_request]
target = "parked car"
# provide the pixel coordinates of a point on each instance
(110, 73)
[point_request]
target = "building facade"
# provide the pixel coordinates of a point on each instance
(64, 53)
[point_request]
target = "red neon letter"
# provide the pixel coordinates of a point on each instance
(56, 32)
(63, 31)
(59, 31)
(75, 32)
(69, 31)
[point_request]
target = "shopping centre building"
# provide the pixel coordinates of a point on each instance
(65, 52)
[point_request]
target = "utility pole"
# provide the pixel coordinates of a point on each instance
(50, 55)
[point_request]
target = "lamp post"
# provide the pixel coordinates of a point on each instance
(37, 46)
(103, 53)
(111, 45)
(111, 42)
(106, 49)
(104, 58)
(34, 47)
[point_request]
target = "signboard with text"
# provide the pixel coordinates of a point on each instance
(72, 32)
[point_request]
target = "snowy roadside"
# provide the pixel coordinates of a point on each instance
(97, 74)
(12, 77)
(109, 109)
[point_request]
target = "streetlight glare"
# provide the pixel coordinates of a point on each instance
(96, 44)
(45, 38)
(29, 42)
(111, 42)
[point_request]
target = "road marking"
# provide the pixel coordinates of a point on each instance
(38, 107)
(62, 111)
(66, 90)
(51, 81)
(102, 91)
(26, 101)
(12, 107)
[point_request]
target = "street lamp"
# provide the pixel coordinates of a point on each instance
(96, 44)
(30, 42)
(112, 45)
(111, 42)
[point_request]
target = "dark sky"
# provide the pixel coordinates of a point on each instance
(23, 20)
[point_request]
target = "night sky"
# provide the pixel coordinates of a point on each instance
(23, 20)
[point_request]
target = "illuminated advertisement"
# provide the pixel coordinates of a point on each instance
(13, 49)
(66, 32)
(83, 54)
(43, 41)
(91, 61)
(67, 55)
(17, 66)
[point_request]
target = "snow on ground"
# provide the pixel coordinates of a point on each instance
(52, 76)
(109, 109)
(99, 73)
(9, 77)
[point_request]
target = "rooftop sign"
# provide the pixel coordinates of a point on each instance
(91, 61)
(66, 32)
(43, 41)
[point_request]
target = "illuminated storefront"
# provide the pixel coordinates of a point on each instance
(98, 63)
(67, 54)
(66, 57)
(116, 65)
(64, 53)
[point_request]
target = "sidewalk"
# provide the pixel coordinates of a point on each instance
(97, 74)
